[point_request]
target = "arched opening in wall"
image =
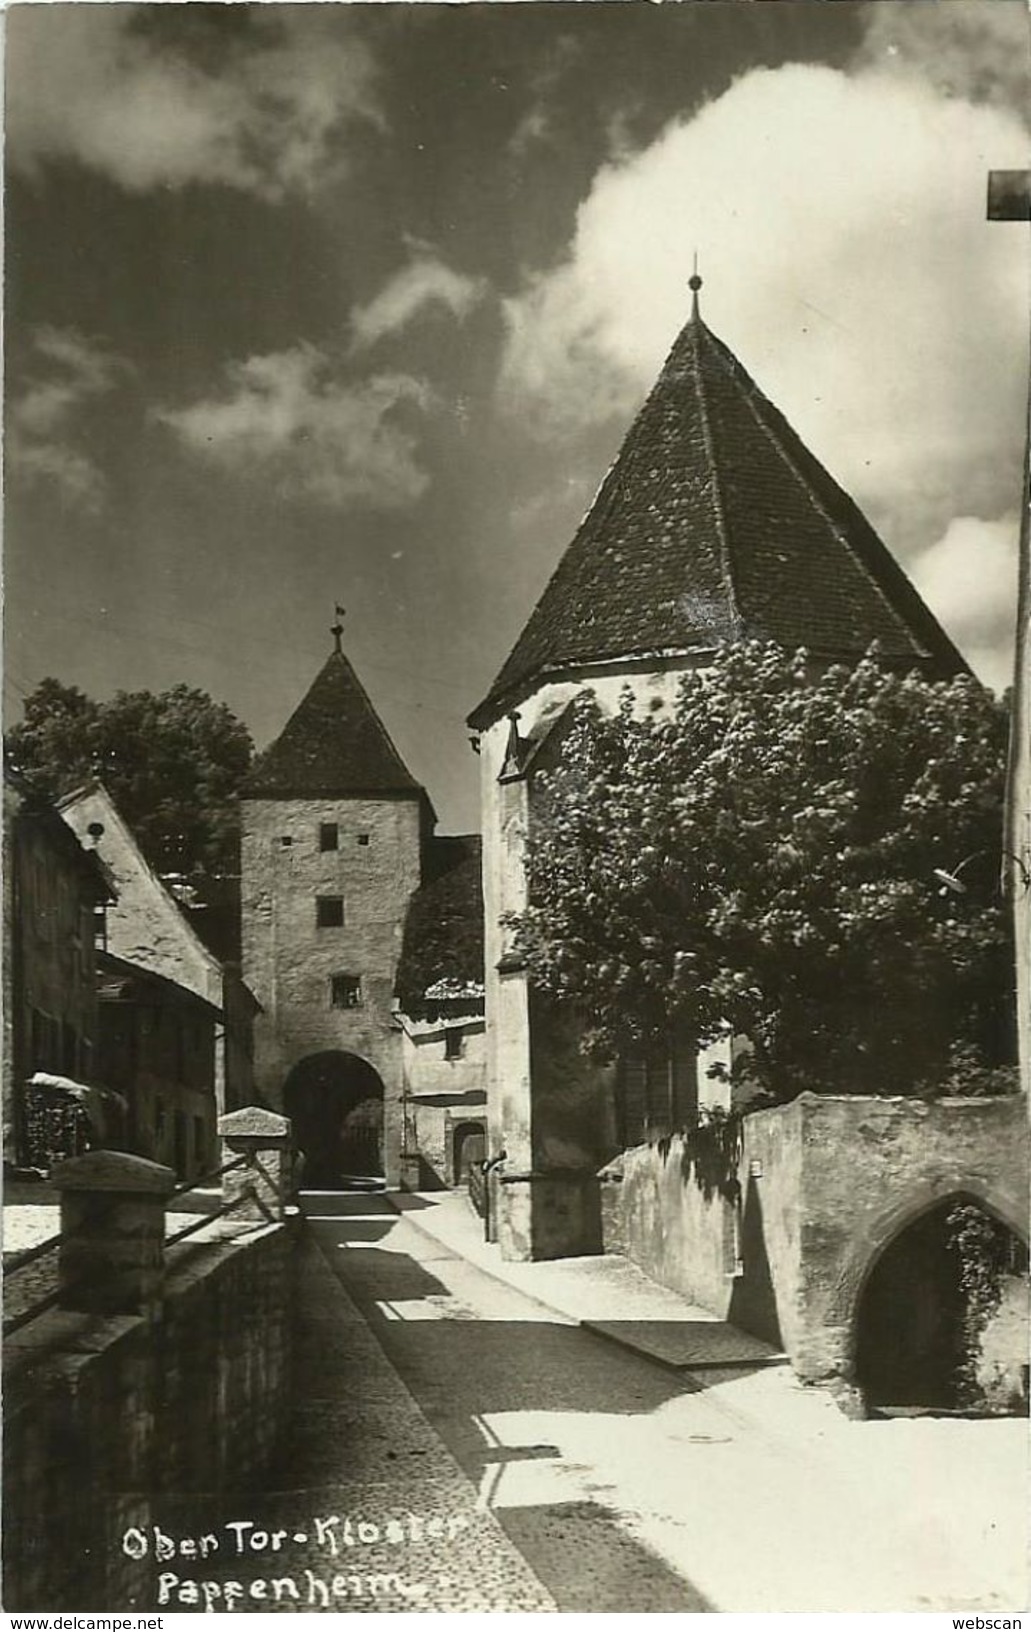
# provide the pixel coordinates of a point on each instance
(941, 1323)
(468, 1146)
(335, 1102)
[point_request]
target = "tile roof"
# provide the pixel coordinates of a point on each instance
(716, 523)
(333, 744)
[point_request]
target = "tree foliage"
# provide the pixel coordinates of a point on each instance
(173, 762)
(760, 862)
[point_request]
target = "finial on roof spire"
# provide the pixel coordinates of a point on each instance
(338, 628)
(694, 283)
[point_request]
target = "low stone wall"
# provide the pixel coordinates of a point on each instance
(105, 1415)
(824, 1184)
(163, 1372)
(870, 1168)
(736, 1252)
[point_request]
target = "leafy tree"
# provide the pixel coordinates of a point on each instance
(173, 762)
(761, 862)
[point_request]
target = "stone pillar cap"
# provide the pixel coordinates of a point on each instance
(254, 1122)
(113, 1170)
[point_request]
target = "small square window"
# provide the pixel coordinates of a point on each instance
(453, 1044)
(285, 841)
(363, 838)
(329, 836)
(329, 911)
(345, 991)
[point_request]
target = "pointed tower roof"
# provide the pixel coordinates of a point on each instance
(333, 744)
(716, 523)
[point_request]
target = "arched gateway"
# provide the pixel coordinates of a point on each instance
(921, 1339)
(335, 1102)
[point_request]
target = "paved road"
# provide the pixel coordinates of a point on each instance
(487, 1365)
(627, 1487)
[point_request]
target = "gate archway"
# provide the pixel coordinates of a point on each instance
(335, 1102)
(912, 1335)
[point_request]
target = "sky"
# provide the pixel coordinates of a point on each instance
(319, 304)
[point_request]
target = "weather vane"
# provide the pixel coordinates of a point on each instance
(338, 628)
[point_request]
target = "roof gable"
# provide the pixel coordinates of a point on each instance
(333, 744)
(30, 807)
(716, 523)
(144, 926)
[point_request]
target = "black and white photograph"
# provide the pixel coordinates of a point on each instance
(517, 808)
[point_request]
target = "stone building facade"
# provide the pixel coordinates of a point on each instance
(156, 1048)
(147, 929)
(53, 891)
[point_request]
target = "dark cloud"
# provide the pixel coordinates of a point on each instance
(150, 102)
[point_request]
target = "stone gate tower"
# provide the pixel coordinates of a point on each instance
(333, 825)
(715, 524)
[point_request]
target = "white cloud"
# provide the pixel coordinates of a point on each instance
(426, 281)
(91, 84)
(969, 579)
(66, 373)
(287, 419)
(840, 222)
(973, 49)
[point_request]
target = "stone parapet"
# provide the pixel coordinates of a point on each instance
(107, 1419)
(112, 1253)
(259, 1189)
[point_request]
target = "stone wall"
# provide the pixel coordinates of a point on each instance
(721, 1252)
(104, 1417)
(825, 1184)
(872, 1166)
